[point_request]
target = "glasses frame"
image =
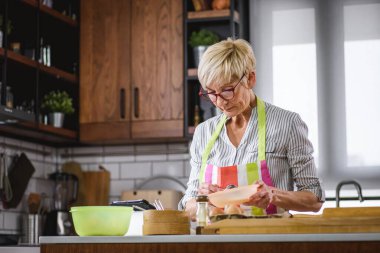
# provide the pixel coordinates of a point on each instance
(206, 95)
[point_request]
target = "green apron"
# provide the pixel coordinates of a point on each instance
(245, 174)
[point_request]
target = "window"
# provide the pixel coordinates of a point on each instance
(321, 59)
(294, 66)
(362, 65)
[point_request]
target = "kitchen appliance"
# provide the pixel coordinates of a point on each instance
(58, 221)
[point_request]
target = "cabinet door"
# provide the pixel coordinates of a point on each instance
(157, 68)
(105, 70)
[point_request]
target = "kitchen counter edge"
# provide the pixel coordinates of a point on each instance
(212, 238)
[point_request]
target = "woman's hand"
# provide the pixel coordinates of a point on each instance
(262, 198)
(206, 189)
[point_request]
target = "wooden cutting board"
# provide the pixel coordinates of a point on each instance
(97, 189)
(352, 212)
(357, 222)
(166, 222)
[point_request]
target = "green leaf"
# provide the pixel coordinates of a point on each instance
(203, 38)
(58, 101)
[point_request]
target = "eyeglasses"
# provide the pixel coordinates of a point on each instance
(226, 94)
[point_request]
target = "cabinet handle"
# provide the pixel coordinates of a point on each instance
(122, 103)
(136, 101)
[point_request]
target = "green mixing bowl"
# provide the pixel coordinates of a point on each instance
(101, 220)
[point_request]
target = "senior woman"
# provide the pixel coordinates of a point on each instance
(251, 141)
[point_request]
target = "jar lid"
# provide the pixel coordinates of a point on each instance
(201, 198)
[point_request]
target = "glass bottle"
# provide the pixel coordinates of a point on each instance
(9, 98)
(202, 212)
(197, 117)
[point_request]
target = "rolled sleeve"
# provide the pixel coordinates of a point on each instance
(301, 160)
(195, 163)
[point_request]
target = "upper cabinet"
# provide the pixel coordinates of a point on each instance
(39, 53)
(157, 68)
(105, 70)
(131, 70)
(224, 19)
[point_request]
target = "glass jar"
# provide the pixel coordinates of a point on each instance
(202, 218)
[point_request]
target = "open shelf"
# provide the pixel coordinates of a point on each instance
(228, 23)
(22, 123)
(52, 12)
(30, 131)
(12, 115)
(34, 64)
(46, 33)
(59, 73)
(19, 58)
(58, 131)
(211, 15)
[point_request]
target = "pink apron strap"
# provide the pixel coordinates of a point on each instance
(208, 174)
(271, 209)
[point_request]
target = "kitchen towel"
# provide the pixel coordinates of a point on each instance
(19, 177)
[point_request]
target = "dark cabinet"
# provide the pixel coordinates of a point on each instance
(231, 22)
(39, 53)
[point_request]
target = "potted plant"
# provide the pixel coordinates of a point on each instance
(200, 40)
(57, 104)
(9, 29)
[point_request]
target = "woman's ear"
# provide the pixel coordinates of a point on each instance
(252, 80)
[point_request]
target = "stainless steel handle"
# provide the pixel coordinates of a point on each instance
(122, 103)
(136, 101)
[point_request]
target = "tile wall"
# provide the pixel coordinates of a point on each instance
(129, 166)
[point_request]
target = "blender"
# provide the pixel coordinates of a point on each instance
(65, 190)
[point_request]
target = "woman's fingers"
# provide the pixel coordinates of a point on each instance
(260, 199)
(206, 188)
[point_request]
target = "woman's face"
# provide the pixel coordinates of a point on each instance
(241, 99)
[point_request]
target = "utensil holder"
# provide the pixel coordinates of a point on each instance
(32, 229)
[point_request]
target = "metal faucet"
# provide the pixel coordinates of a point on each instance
(357, 186)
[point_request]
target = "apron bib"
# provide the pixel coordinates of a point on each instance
(244, 174)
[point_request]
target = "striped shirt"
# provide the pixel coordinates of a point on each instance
(288, 151)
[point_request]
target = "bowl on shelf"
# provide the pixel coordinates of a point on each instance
(101, 220)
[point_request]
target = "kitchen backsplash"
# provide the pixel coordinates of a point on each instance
(128, 166)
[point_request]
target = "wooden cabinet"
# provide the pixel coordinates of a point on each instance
(157, 68)
(38, 54)
(131, 70)
(105, 70)
(209, 245)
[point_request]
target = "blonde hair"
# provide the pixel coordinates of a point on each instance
(225, 62)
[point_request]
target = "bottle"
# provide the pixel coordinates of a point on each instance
(9, 98)
(202, 218)
(48, 55)
(41, 58)
(197, 117)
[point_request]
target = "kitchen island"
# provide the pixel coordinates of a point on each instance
(347, 242)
